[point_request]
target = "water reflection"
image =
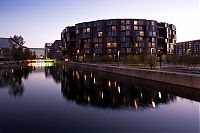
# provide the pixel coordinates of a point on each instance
(13, 79)
(87, 88)
(99, 89)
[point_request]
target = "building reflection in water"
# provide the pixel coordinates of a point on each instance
(13, 79)
(87, 88)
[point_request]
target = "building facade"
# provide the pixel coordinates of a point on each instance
(56, 50)
(129, 36)
(188, 47)
(38, 53)
(5, 48)
(47, 48)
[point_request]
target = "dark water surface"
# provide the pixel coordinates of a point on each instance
(61, 100)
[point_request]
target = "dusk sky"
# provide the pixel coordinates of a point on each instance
(41, 21)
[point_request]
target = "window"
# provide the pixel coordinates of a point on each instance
(122, 22)
(86, 46)
(128, 22)
(96, 45)
(123, 45)
(88, 29)
(100, 46)
(109, 34)
(123, 39)
(100, 40)
(141, 33)
(122, 50)
(100, 34)
(123, 27)
(114, 33)
(153, 45)
(114, 28)
(109, 50)
(140, 38)
(135, 22)
(149, 45)
(128, 39)
(153, 23)
(150, 33)
(154, 34)
(108, 45)
(140, 28)
(128, 33)
(123, 33)
(153, 40)
(140, 22)
(128, 27)
(109, 22)
(84, 30)
(128, 50)
(114, 45)
(136, 44)
(86, 41)
(109, 39)
(95, 40)
(135, 27)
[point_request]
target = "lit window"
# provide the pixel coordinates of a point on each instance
(84, 30)
(154, 34)
(135, 22)
(141, 33)
(153, 23)
(108, 45)
(153, 45)
(96, 45)
(136, 44)
(153, 40)
(123, 27)
(128, 27)
(135, 27)
(100, 34)
(88, 29)
(114, 28)
(114, 45)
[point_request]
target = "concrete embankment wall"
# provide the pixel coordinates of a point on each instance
(183, 79)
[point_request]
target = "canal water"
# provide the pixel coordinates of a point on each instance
(59, 99)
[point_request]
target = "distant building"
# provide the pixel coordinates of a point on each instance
(188, 47)
(129, 36)
(47, 48)
(38, 53)
(5, 47)
(56, 50)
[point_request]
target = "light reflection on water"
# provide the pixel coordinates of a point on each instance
(62, 99)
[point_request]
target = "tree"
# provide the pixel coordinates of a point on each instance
(17, 49)
(151, 60)
(18, 40)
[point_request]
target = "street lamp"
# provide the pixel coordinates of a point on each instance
(118, 52)
(159, 55)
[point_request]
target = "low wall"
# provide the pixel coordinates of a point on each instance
(183, 79)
